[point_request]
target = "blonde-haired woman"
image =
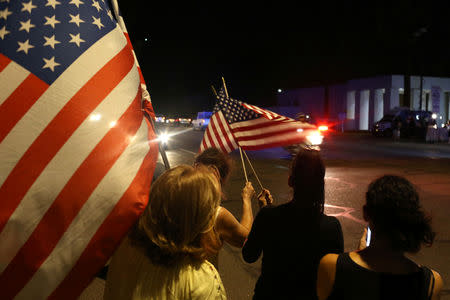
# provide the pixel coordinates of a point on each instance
(163, 256)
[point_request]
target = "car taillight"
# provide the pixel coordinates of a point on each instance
(323, 128)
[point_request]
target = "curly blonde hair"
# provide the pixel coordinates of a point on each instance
(182, 206)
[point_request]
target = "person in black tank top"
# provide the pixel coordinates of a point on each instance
(381, 271)
(292, 237)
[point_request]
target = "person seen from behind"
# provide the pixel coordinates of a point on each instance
(226, 228)
(163, 256)
(382, 271)
(293, 237)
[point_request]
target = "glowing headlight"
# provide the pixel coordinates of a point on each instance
(315, 138)
(164, 138)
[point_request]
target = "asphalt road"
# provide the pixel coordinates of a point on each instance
(352, 161)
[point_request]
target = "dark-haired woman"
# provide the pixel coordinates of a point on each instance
(382, 271)
(294, 236)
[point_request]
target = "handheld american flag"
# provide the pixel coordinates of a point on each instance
(75, 158)
(237, 124)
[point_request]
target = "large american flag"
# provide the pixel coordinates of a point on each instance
(76, 154)
(237, 124)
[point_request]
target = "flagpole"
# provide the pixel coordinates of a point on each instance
(214, 91)
(161, 148)
(243, 165)
(245, 153)
(225, 87)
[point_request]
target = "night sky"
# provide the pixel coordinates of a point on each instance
(261, 48)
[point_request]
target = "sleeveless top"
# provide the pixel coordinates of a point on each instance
(133, 276)
(353, 281)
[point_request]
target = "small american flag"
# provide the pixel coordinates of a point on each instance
(76, 154)
(237, 124)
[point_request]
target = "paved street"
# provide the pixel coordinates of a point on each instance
(352, 161)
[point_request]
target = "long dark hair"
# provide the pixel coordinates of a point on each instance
(307, 178)
(215, 157)
(392, 205)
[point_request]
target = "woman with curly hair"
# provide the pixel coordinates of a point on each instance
(163, 257)
(382, 270)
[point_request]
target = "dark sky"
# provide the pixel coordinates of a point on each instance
(261, 48)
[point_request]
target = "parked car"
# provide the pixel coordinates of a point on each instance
(202, 120)
(411, 122)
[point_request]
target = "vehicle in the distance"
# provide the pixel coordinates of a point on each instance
(202, 120)
(185, 121)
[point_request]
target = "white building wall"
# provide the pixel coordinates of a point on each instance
(368, 97)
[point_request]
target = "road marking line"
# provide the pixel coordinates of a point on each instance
(346, 213)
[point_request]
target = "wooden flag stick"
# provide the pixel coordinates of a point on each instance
(225, 87)
(253, 170)
(214, 91)
(243, 165)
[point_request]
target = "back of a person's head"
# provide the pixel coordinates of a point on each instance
(307, 178)
(182, 205)
(214, 157)
(393, 207)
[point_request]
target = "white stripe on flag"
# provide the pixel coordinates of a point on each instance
(59, 263)
(220, 138)
(233, 145)
(10, 78)
(206, 140)
(29, 213)
(55, 97)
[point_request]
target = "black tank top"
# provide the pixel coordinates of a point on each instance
(355, 282)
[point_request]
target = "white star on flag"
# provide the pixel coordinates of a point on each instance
(76, 2)
(97, 22)
(96, 5)
(50, 41)
(26, 26)
(25, 46)
(75, 19)
(50, 63)
(76, 39)
(52, 3)
(3, 32)
(5, 13)
(51, 21)
(28, 6)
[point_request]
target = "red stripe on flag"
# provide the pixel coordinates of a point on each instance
(69, 202)
(109, 235)
(4, 61)
(269, 144)
(19, 102)
(59, 130)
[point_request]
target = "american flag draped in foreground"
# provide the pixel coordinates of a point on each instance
(237, 124)
(75, 158)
